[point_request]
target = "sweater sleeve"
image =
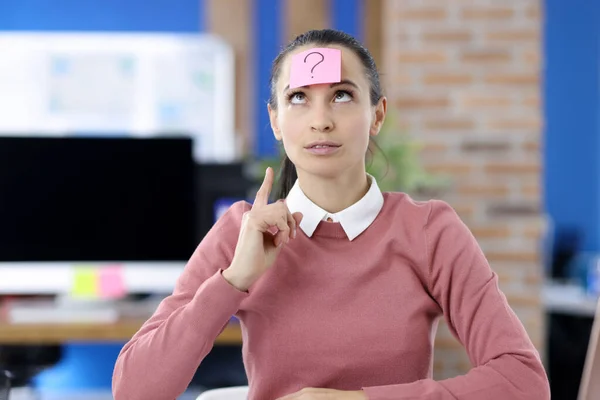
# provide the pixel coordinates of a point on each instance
(162, 357)
(505, 363)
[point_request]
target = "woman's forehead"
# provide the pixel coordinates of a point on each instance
(352, 68)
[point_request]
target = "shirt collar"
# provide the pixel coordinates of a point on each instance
(354, 219)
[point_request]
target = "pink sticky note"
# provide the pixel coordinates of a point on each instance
(313, 66)
(111, 283)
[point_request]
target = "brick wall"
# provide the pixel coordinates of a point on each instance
(464, 76)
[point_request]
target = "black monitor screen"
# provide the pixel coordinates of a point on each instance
(96, 199)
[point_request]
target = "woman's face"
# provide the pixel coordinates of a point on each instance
(325, 128)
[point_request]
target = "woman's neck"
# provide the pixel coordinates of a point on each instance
(334, 194)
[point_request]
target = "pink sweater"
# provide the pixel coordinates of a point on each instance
(348, 315)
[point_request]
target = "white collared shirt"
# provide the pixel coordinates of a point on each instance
(354, 219)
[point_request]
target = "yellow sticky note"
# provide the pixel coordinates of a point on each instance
(85, 282)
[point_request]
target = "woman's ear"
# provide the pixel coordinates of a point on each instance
(378, 116)
(274, 122)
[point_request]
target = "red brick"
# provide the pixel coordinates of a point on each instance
(524, 299)
(403, 125)
(512, 256)
(496, 190)
(401, 36)
(464, 211)
(421, 14)
(531, 57)
(449, 123)
(505, 278)
(531, 191)
(519, 79)
(533, 12)
(448, 78)
(531, 146)
(422, 102)
(485, 146)
(438, 364)
(514, 210)
(404, 79)
(516, 168)
(486, 56)
(450, 168)
(487, 13)
(433, 148)
(422, 57)
(447, 343)
(465, 365)
(516, 123)
(491, 232)
(458, 36)
(532, 101)
(484, 100)
(533, 279)
(533, 232)
(514, 35)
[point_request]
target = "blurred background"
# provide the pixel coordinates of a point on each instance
(127, 127)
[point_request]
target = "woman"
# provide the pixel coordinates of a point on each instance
(338, 286)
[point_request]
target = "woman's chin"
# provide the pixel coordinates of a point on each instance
(325, 170)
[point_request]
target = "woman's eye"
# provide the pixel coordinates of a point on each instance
(342, 96)
(297, 98)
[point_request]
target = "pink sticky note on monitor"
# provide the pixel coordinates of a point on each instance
(314, 66)
(111, 282)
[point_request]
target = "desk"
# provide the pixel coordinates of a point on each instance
(55, 334)
(569, 299)
(560, 298)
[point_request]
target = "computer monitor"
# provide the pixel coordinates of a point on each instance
(94, 199)
(218, 187)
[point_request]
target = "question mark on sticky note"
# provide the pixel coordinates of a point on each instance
(303, 70)
(314, 66)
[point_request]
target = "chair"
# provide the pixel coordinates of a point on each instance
(230, 393)
(26, 361)
(590, 381)
(5, 383)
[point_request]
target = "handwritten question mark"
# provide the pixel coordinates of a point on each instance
(314, 66)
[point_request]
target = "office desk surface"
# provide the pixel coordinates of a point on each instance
(569, 299)
(116, 332)
(556, 297)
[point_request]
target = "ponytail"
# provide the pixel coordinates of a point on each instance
(287, 178)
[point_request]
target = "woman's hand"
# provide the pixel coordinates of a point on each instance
(265, 229)
(325, 394)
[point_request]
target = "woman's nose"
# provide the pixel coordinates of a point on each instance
(322, 122)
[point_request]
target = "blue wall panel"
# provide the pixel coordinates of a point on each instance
(571, 109)
(105, 15)
(268, 41)
(348, 16)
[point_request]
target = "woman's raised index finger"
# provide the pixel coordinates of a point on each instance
(262, 196)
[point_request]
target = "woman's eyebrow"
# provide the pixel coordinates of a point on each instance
(334, 84)
(344, 82)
